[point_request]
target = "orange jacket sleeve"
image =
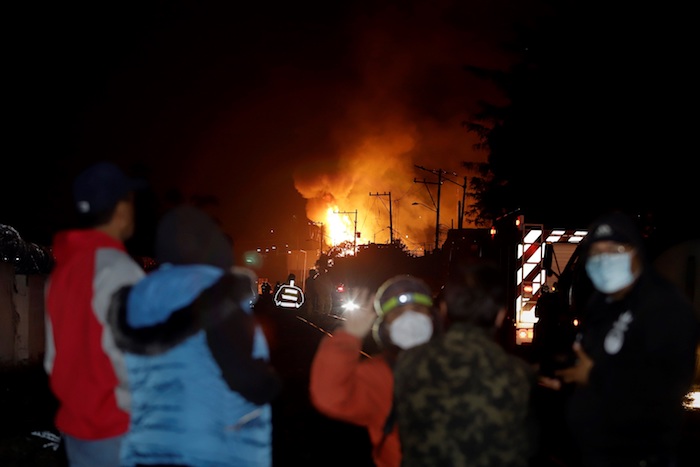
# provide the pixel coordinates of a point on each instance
(347, 386)
(352, 388)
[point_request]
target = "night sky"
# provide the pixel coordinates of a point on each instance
(274, 111)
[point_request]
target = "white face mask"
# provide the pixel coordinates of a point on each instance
(610, 272)
(410, 329)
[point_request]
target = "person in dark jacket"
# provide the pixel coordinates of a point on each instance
(310, 292)
(462, 399)
(635, 357)
(196, 359)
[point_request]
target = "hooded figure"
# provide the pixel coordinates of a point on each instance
(197, 361)
(636, 357)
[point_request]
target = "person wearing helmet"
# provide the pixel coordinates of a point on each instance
(351, 386)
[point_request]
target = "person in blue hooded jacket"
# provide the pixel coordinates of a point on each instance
(197, 361)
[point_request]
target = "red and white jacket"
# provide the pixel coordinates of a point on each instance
(86, 371)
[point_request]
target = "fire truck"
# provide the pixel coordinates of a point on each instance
(541, 256)
(552, 287)
(536, 262)
(548, 287)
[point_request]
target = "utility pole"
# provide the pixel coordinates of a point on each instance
(391, 218)
(462, 206)
(437, 211)
(439, 173)
(320, 237)
(354, 234)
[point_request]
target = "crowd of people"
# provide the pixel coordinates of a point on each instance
(171, 367)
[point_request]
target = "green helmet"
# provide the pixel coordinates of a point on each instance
(396, 292)
(401, 290)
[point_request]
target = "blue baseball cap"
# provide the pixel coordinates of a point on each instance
(100, 186)
(401, 290)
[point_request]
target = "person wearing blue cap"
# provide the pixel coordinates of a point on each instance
(85, 369)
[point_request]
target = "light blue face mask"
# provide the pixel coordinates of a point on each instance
(610, 272)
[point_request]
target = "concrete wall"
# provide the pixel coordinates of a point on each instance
(21, 317)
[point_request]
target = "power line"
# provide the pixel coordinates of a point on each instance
(439, 173)
(391, 217)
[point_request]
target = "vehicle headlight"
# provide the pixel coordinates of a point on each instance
(350, 305)
(692, 400)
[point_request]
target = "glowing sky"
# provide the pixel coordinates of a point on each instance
(340, 122)
(278, 111)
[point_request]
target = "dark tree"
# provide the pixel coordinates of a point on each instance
(599, 115)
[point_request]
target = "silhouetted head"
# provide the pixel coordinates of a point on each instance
(188, 235)
(104, 198)
(475, 293)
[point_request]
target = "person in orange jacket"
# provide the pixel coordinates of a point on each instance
(349, 385)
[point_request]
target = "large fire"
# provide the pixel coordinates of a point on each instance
(340, 228)
(351, 128)
(391, 119)
(342, 196)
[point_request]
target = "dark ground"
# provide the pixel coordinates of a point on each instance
(302, 436)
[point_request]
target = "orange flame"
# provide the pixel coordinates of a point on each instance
(340, 228)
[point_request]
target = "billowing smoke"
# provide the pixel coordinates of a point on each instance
(402, 109)
(270, 112)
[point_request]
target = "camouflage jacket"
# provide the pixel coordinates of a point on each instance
(462, 400)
